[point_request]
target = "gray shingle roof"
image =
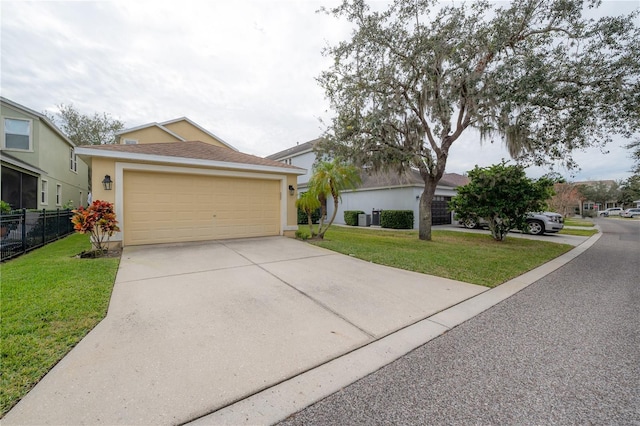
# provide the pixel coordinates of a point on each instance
(193, 149)
(294, 150)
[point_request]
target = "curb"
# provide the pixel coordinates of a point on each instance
(278, 402)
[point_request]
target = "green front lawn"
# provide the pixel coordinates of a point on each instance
(469, 257)
(49, 301)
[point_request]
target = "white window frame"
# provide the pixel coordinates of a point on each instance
(44, 192)
(58, 194)
(4, 134)
(130, 141)
(73, 160)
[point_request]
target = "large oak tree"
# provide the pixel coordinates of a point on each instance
(535, 73)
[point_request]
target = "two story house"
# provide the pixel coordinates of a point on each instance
(39, 166)
(175, 181)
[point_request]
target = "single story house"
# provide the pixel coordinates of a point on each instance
(180, 191)
(378, 191)
(392, 191)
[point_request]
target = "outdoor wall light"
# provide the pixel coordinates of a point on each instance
(107, 183)
(291, 189)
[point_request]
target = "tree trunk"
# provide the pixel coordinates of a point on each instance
(321, 232)
(426, 199)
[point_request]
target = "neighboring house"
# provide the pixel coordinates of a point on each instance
(379, 191)
(179, 191)
(177, 130)
(587, 206)
(391, 191)
(301, 155)
(40, 168)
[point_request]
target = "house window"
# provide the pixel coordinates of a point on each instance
(58, 195)
(130, 141)
(44, 192)
(17, 134)
(73, 160)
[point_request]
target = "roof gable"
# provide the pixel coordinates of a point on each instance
(174, 128)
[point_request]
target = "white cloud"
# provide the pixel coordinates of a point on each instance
(244, 69)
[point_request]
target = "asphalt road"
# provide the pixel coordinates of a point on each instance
(565, 350)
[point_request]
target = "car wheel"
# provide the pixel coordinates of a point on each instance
(470, 224)
(535, 227)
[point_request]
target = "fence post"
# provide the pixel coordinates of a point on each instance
(24, 230)
(44, 227)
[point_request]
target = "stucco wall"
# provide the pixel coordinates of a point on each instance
(149, 135)
(192, 133)
(405, 198)
(304, 161)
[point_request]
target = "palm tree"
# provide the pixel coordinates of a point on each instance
(308, 203)
(329, 179)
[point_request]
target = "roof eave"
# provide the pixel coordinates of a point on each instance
(186, 161)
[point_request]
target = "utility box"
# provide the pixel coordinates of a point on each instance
(364, 220)
(375, 217)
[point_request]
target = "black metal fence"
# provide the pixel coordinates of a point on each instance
(22, 231)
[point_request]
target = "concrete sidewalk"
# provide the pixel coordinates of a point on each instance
(193, 328)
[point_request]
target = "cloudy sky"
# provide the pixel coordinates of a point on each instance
(243, 69)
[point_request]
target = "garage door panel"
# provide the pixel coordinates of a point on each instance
(160, 208)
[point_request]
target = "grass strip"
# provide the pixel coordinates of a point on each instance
(49, 301)
(578, 222)
(579, 232)
(469, 257)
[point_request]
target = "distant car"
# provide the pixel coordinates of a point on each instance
(613, 211)
(631, 212)
(537, 223)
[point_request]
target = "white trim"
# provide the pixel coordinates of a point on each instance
(291, 228)
(4, 134)
(73, 160)
(58, 194)
(186, 161)
(44, 183)
(121, 167)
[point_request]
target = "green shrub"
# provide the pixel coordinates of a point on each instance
(302, 234)
(351, 217)
(303, 220)
(396, 219)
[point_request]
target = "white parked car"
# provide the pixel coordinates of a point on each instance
(631, 212)
(537, 223)
(613, 211)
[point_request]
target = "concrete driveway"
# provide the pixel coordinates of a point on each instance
(192, 328)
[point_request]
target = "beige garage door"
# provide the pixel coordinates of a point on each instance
(166, 207)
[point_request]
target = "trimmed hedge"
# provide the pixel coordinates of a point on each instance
(351, 217)
(396, 219)
(303, 220)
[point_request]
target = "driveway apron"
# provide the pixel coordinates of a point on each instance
(192, 328)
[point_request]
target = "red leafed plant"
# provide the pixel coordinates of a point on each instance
(99, 220)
